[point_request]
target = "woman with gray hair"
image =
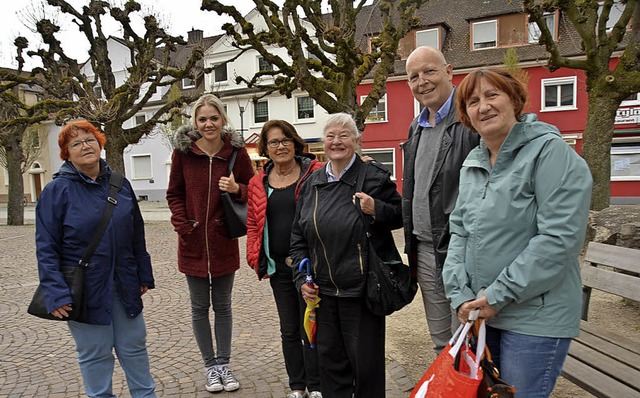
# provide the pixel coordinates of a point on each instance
(207, 257)
(329, 229)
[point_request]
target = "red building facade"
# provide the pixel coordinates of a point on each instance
(559, 98)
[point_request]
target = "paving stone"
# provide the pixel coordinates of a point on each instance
(38, 358)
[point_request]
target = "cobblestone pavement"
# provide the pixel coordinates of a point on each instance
(37, 357)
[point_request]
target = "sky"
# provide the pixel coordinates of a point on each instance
(177, 16)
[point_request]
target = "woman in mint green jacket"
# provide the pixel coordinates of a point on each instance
(516, 232)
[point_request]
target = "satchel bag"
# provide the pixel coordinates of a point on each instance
(456, 372)
(235, 213)
(389, 285)
(74, 277)
(74, 274)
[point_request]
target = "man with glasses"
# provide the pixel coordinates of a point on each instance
(433, 154)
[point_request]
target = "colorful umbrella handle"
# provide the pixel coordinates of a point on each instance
(306, 263)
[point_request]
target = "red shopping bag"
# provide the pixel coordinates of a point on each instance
(443, 380)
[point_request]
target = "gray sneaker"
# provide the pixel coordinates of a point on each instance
(315, 394)
(297, 394)
(214, 383)
(229, 382)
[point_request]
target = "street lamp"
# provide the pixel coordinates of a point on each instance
(241, 121)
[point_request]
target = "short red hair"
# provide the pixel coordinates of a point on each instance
(70, 131)
(498, 78)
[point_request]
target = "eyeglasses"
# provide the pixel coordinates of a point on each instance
(340, 137)
(422, 76)
(78, 144)
(276, 143)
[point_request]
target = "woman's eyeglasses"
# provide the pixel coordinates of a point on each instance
(78, 144)
(276, 143)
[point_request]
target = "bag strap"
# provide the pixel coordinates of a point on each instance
(362, 174)
(232, 161)
(115, 183)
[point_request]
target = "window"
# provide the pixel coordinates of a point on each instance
(614, 14)
(386, 157)
(485, 34)
(534, 29)
(625, 162)
(428, 37)
(264, 65)
(559, 94)
(373, 46)
(188, 83)
(305, 108)
(141, 167)
(508, 30)
(379, 112)
(260, 112)
(140, 119)
(633, 99)
(220, 74)
(97, 91)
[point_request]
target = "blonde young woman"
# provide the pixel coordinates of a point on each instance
(205, 255)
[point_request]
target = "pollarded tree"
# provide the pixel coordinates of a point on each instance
(105, 96)
(608, 84)
(20, 114)
(336, 62)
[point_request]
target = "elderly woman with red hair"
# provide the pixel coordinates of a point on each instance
(68, 212)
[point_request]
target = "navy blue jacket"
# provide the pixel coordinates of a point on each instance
(68, 212)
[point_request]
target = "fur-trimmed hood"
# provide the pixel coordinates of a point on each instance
(187, 135)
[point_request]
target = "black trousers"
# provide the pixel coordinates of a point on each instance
(350, 342)
(301, 361)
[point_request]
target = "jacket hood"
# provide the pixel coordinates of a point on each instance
(68, 171)
(185, 136)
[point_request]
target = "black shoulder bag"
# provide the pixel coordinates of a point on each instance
(389, 286)
(74, 274)
(235, 213)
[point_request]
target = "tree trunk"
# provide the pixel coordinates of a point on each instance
(15, 208)
(115, 148)
(596, 146)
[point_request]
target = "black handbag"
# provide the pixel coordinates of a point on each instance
(74, 274)
(235, 213)
(389, 285)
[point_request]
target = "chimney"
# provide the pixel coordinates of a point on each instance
(195, 36)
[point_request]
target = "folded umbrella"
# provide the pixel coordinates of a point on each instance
(312, 306)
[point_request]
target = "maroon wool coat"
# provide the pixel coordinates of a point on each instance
(193, 197)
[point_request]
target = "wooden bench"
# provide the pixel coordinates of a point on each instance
(601, 361)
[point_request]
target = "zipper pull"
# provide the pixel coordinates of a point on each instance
(484, 193)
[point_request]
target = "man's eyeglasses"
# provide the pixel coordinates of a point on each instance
(276, 143)
(78, 144)
(422, 76)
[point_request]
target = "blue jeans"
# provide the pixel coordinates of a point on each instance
(530, 363)
(217, 295)
(95, 344)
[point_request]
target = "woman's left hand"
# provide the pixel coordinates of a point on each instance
(228, 184)
(143, 290)
(367, 204)
(486, 311)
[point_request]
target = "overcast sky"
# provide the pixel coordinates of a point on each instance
(179, 16)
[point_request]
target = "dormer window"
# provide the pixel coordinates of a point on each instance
(428, 37)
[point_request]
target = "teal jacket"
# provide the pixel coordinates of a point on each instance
(517, 230)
